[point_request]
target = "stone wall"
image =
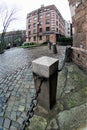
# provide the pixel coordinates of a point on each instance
(80, 57)
(79, 23)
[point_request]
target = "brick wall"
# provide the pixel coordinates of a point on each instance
(41, 15)
(80, 57)
(79, 24)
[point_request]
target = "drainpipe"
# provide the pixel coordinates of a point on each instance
(37, 25)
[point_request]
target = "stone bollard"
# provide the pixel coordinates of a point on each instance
(47, 68)
(54, 49)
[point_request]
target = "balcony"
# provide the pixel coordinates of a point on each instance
(47, 32)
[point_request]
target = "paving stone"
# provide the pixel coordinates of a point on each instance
(11, 88)
(20, 120)
(7, 123)
(1, 121)
(5, 129)
(13, 115)
(8, 114)
(15, 124)
(1, 110)
(1, 92)
(1, 128)
(4, 99)
(21, 108)
(15, 108)
(2, 114)
(13, 128)
(8, 95)
(18, 114)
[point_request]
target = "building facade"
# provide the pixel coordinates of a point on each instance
(15, 38)
(44, 24)
(79, 23)
(68, 29)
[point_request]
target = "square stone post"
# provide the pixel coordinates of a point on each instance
(47, 68)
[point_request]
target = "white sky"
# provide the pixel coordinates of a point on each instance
(26, 6)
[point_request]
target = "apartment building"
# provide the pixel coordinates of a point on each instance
(68, 29)
(44, 24)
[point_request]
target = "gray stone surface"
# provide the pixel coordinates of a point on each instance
(45, 66)
(73, 118)
(38, 123)
(52, 125)
(7, 123)
(1, 121)
(17, 90)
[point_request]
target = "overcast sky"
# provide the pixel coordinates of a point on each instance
(26, 6)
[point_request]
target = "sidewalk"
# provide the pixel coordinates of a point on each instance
(16, 85)
(17, 89)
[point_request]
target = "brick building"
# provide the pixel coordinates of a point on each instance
(68, 29)
(15, 38)
(43, 24)
(79, 23)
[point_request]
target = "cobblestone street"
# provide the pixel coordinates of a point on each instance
(16, 83)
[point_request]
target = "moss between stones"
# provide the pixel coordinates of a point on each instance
(38, 123)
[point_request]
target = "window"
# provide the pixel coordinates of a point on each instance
(47, 21)
(40, 11)
(34, 31)
(56, 16)
(29, 20)
(40, 37)
(35, 18)
(47, 14)
(29, 15)
(29, 26)
(34, 38)
(29, 32)
(53, 28)
(47, 28)
(40, 16)
(59, 26)
(40, 23)
(40, 29)
(34, 25)
(47, 9)
(57, 23)
(57, 29)
(35, 13)
(68, 28)
(29, 39)
(60, 31)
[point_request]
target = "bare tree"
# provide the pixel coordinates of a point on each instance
(7, 16)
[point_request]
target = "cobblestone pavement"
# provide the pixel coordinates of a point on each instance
(16, 83)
